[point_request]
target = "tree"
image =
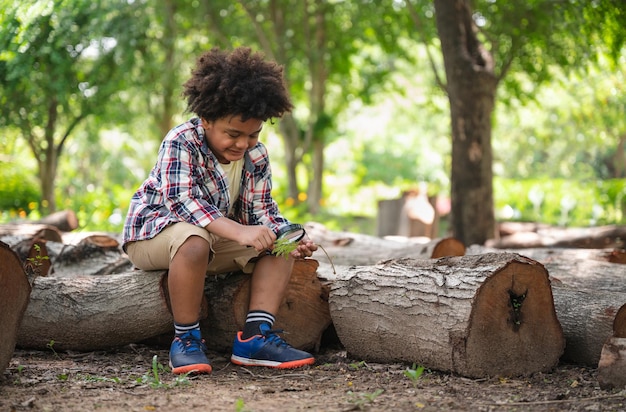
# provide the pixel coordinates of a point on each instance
(316, 41)
(62, 62)
(481, 43)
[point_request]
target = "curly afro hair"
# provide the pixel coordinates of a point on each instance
(237, 83)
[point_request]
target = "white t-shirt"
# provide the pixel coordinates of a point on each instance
(233, 172)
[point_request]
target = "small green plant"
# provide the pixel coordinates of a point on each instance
(154, 379)
(283, 247)
(34, 264)
(414, 373)
(240, 405)
(92, 378)
(50, 345)
(358, 365)
(362, 399)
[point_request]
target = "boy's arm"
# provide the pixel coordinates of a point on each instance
(259, 237)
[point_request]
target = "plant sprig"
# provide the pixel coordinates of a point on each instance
(283, 247)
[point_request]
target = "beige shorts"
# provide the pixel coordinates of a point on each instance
(157, 253)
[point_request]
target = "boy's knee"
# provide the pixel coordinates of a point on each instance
(194, 248)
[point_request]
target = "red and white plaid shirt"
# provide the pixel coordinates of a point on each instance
(185, 185)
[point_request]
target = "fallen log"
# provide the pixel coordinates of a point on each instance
(64, 220)
(14, 297)
(86, 313)
(11, 233)
(478, 316)
(597, 237)
(303, 314)
(345, 248)
(587, 318)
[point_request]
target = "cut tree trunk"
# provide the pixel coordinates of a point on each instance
(587, 317)
(303, 314)
(612, 365)
(89, 313)
(86, 313)
(345, 248)
(14, 296)
(13, 233)
(598, 237)
(64, 220)
(478, 316)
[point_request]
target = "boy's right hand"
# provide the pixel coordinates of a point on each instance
(259, 237)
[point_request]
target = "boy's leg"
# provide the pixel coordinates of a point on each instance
(184, 250)
(258, 344)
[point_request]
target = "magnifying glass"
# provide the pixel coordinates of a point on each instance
(293, 232)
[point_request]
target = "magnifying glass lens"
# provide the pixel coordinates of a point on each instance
(293, 233)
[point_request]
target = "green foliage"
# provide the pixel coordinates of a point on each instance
(414, 373)
(154, 377)
(561, 202)
(18, 188)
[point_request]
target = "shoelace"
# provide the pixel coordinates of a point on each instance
(192, 345)
(272, 337)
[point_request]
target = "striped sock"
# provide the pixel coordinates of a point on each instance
(181, 329)
(254, 320)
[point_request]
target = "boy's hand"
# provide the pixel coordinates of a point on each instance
(305, 248)
(259, 237)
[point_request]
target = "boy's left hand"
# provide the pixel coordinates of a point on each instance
(305, 249)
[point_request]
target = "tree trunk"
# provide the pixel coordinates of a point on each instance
(345, 248)
(14, 297)
(65, 220)
(478, 316)
(471, 88)
(87, 313)
(587, 318)
(304, 312)
(95, 312)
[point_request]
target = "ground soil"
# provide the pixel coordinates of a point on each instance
(129, 379)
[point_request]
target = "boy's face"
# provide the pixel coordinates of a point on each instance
(229, 138)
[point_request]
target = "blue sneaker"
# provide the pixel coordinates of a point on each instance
(187, 354)
(268, 349)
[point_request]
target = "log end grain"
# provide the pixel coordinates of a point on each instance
(513, 328)
(448, 247)
(612, 365)
(14, 297)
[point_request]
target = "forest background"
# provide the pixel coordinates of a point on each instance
(89, 88)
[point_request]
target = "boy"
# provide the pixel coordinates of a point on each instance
(206, 208)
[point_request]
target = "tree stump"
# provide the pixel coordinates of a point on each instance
(14, 296)
(478, 316)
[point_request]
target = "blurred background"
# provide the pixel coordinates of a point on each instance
(89, 88)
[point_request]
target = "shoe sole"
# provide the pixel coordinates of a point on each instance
(238, 360)
(192, 369)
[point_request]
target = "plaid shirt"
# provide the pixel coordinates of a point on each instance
(185, 185)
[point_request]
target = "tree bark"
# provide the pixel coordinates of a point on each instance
(65, 220)
(345, 248)
(599, 237)
(14, 297)
(304, 312)
(587, 318)
(471, 89)
(478, 316)
(94, 312)
(86, 313)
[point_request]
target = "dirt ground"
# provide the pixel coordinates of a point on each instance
(129, 379)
